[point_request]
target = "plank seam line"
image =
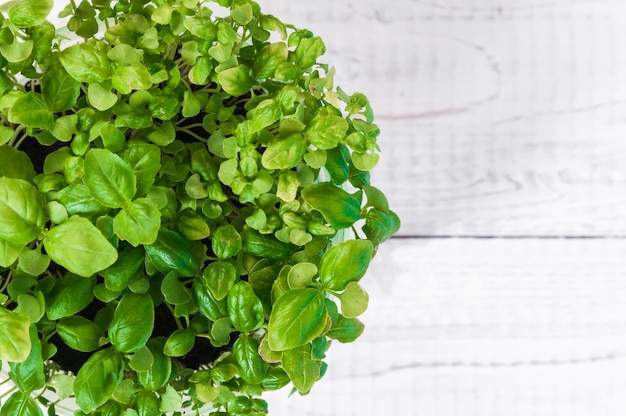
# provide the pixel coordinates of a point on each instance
(510, 237)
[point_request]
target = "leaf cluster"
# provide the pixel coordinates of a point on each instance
(184, 156)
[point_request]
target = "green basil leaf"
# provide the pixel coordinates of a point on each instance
(326, 131)
(268, 59)
(21, 215)
(179, 343)
(21, 404)
(264, 246)
(354, 300)
(147, 404)
(275, 379)
(87, 62)
(98, 378)
(77, 200)
(29, 13)
(171, 252)
(244, 308)
(59, 90)
(112, 138)
(265, 114)
(192, 225)
(141, 360)
(79, 246)
(17, 51)
(9, 252)
(235, 81)
(252, 368)
(80, 333)
(202, 28)
(346, 329)
(15, 344)
(380, 226)
(340, 209)
(33, 262)
(128, 264)
(226, 242)
(100, 98)
(15, 164)
(132, 77)
(174, 290)
(345, 262)
(69, 295)
(298, 317)
(219, 277)
(302, 369)
(284, 153)
(170, 400)
(138, 222)
(161, 369)
(132, 323)
(111, 181)
(308, 50)
(210, 307)
(145, 159)
(31, 111)
(29, 374)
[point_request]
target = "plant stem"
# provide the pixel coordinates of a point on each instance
(194, 135)
(179, 324)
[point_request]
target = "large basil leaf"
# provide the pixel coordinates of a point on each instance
(161, 369)
(15, 164)
(70, 294)
(80, 333)
(30, 110)
(326, 131)
(345, 262)
(252, 367)
(132, 322)
(9, 252)
(346, 329)
(79, 246)
(299, 316)
(129, 262)
(302, 369)
(21, 215)
(145, 159)
(264, 246)
(380, 226)
(219, 277)
(207, 304)
(97, 379)
(59, 90)
(244, 308)
(226, 242)
(29, 375)
(29, 13)
(170, 252)
(111, 181)
(236, 81)
(138, 222)
(87, 62)
(21, 404)
(179, 343)
(340, 209)
(284, 153)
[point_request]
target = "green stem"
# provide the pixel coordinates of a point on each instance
(192, 134)
(16, 133)
(179, 324)
(6, 282)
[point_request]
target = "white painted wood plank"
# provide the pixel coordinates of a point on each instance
(465, 327)
(498, 117)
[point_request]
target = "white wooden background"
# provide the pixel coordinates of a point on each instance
(504, 153)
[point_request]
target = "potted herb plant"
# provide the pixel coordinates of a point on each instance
(177, 179)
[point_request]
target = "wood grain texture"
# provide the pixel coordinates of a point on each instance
(482, 328)
(498, 117)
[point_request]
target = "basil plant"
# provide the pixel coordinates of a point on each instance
(178, 181)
